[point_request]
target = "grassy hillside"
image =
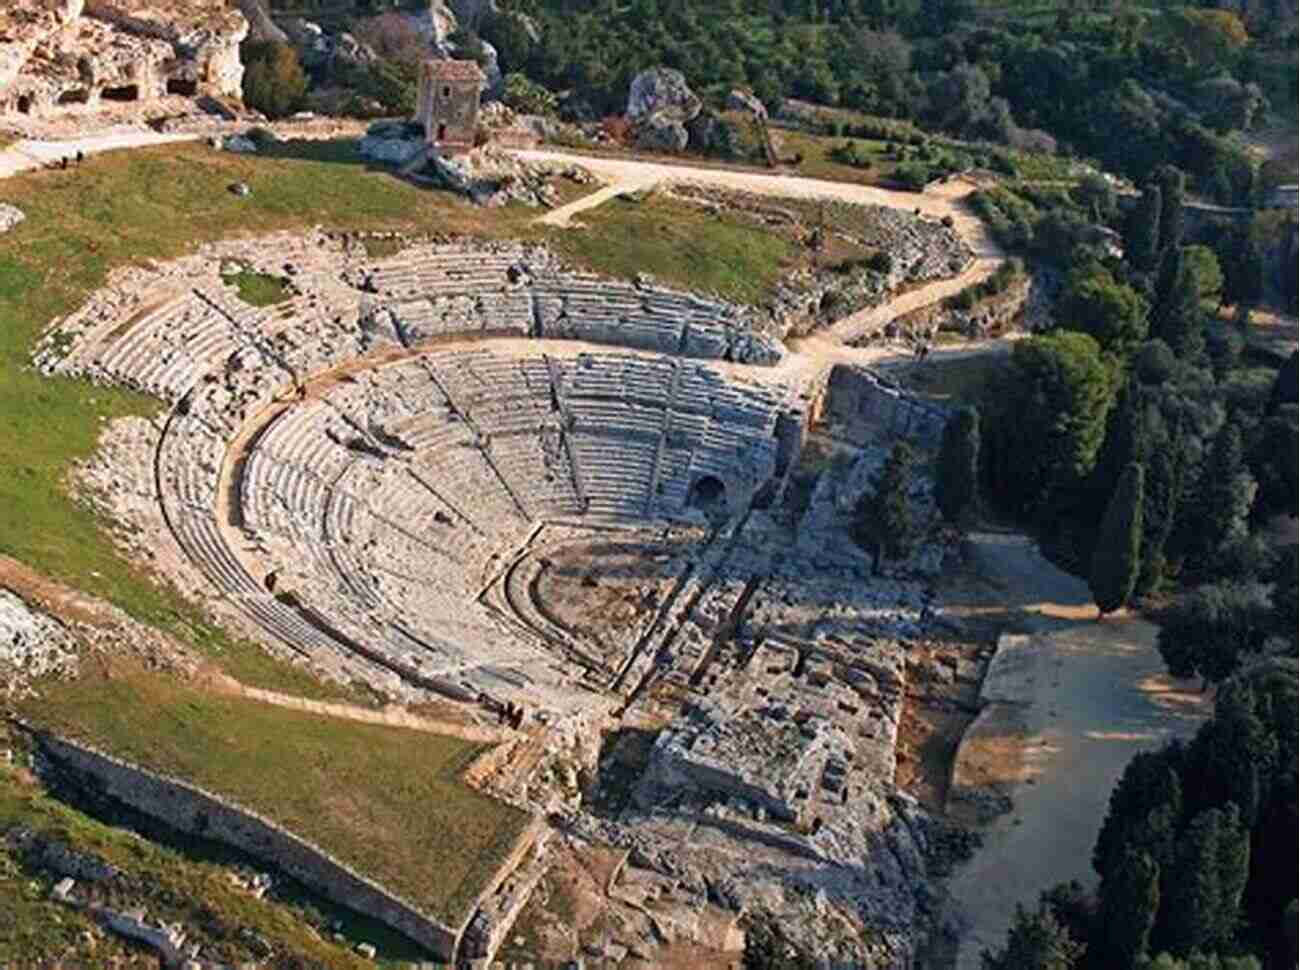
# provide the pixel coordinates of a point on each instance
(388, 801)
(189, 884)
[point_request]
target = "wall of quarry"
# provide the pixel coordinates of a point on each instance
(198, 812)
(83, 56)
(863, 406)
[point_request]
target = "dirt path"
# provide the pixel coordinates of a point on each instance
(1089, 696)
(941, 201)
(31, 153)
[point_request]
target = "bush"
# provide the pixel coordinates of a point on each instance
(528, 97)
(274, 81)
(850, 154)
(391, 83)
(913, 175)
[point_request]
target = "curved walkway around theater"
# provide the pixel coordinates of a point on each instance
(624, 175)
(1066, 705)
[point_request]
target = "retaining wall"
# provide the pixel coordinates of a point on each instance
(198, 812)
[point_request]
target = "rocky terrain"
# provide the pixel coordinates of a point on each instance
(77, 55)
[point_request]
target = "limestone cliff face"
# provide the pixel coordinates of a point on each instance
(72, 55)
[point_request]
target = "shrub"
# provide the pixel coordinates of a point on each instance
(913, 175)
(528, 97)
(850, 154)
(274, 82)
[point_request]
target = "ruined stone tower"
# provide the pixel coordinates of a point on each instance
(448, 104)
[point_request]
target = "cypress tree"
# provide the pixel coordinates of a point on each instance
(1035, 940)
(958, 464)
(1115, 559)
(1213, 863)
(1142, 231)
(1162, 491)
(1222, 503)
(1172, 191)
(883, 516)
(1176, 316)
(1144, 809)
(1130, 900)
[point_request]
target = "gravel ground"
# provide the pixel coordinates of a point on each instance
(1094, 694)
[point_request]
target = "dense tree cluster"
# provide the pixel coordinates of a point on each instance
(1134, 89)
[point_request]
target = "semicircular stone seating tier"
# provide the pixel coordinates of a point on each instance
(361, 523)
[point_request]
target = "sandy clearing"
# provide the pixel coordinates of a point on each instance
(1091, 695)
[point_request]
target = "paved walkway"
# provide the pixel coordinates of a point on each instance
(28, 154)
(1093, 695)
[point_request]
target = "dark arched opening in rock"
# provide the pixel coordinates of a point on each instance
(125, 92)
(708, 493)
(74, 96)
(183, 86)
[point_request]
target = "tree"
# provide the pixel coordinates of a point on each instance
(1154, 363)
(1035, 941)
(1285, 596)
(1198, 961)
(274, 82)
(1162, 494)
(1173, 187)
(1234, 756)
(527, 97)
(1242, 259)
(1211, 867)
(958, 477)
(1051, 421)
(1177, 317)
(1209, 631)
(1113, 313)
(1130, 900)
(1221, 507)
(1145, 808)
(1096, 196)
(1142, 230)
(1115, 560)
(883, 520)
(1205, 272)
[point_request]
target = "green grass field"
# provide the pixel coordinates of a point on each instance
(387, 801)
(191, 887)
(680, 244)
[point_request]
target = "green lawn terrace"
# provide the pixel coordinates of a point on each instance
(387, 802)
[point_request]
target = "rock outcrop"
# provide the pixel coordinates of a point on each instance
(739, 100)
(660, 104)
(81, 56)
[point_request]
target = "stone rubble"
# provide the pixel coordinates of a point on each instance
(32, 645)
(10, 216)
(88, 53)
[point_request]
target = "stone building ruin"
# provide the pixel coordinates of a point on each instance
(447, 104)
(64, 56)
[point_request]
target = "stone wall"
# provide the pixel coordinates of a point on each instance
(197, 812)
(863, 406)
